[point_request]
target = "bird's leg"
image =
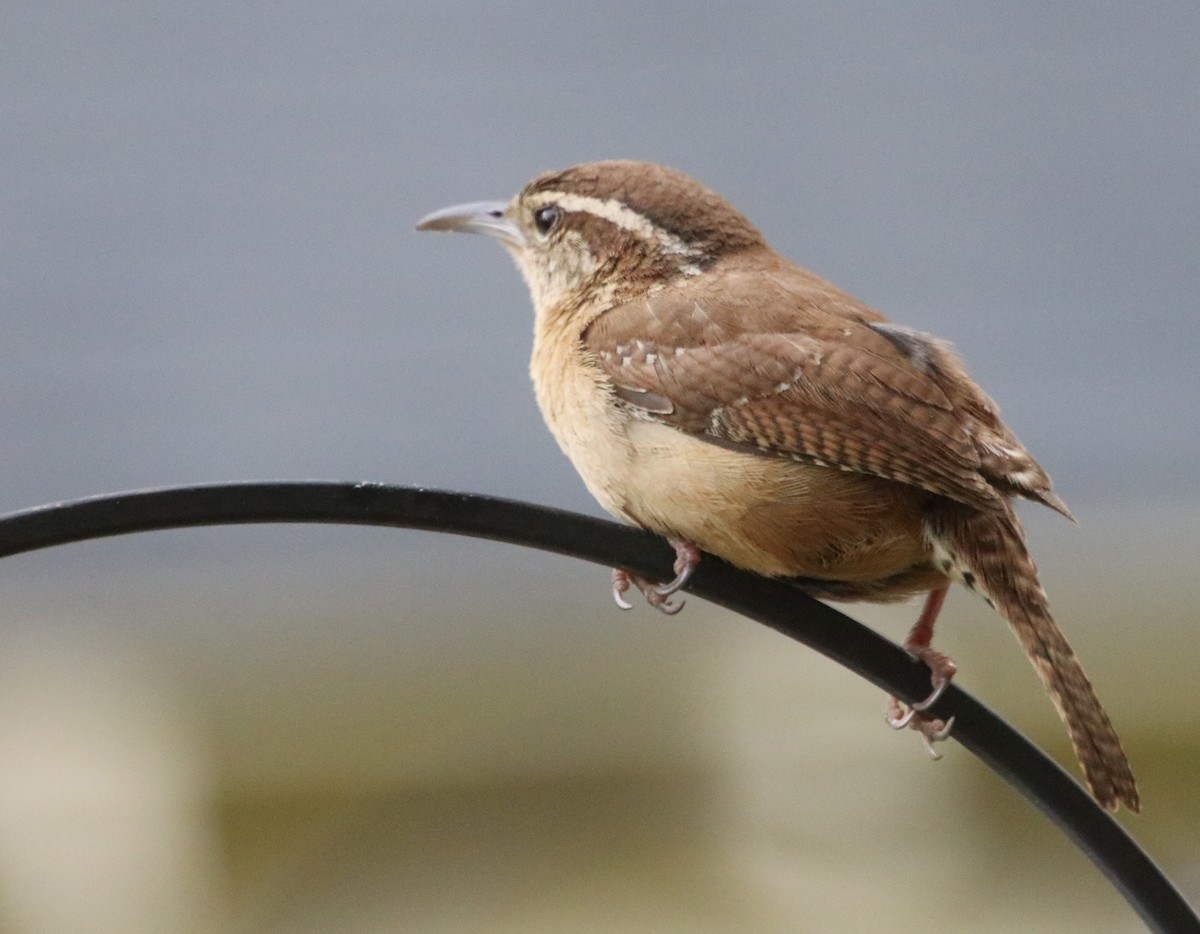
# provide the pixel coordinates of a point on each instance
(941, 667)
(657, 594)
(919, 646)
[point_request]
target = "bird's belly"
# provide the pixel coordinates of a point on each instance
(773, 516)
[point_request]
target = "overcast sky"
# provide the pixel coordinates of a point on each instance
(208, 268)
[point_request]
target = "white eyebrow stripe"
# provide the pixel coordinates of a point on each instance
(620, 215)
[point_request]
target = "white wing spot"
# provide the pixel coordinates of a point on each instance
(1024, 477)
(1001, 449)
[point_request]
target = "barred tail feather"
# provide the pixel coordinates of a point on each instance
(987, 553)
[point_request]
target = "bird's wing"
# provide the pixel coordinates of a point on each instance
(786, 366)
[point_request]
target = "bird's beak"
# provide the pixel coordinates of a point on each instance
(481, 217)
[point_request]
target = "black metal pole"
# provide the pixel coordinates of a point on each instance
(773, 603)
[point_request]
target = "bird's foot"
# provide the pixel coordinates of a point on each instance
(658, 594)
(931, 730)
(942, 670)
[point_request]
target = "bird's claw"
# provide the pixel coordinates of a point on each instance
(664, 605)
(940, 683)
(897, 720)
(658, 595)
(621, 581)
(941, 671)
(934, 731)
(687, 556)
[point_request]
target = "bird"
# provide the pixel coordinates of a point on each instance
(710, 390)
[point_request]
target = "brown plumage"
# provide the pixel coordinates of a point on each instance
(710, 390)
(992, 548)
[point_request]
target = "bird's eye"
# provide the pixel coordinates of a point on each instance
(546, 218)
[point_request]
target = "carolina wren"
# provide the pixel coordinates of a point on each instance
(712, 391)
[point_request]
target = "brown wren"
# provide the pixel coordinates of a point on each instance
(713, 392)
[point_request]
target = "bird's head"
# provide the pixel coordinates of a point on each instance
(605, 232)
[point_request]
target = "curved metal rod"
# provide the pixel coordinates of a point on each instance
(773, 603)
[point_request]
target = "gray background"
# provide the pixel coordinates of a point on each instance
(208, 272)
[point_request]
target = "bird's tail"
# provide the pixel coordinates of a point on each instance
(987, 553)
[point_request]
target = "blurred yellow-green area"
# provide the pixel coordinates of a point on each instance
(446, 735)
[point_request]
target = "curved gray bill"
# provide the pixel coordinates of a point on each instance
(481, 217)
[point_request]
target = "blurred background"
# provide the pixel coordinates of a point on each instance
(208, 272)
